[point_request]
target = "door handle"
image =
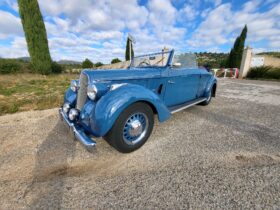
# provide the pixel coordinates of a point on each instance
(170, 82)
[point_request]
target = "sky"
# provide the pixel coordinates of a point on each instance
(97, 29)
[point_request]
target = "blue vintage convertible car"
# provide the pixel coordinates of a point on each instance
(120, 105)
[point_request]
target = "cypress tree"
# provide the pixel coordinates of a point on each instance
(127, 56)
(235, 55)
(35, 35)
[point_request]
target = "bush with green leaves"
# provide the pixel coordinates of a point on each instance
(87, 64)
(56, 68)
(8, 66)
(115, 60)
(98, 64)
(264, 72)
(273, 73)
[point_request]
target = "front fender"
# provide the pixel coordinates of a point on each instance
(210, 85)
(110, 106)
(70, 96)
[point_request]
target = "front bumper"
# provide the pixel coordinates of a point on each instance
(77, 133)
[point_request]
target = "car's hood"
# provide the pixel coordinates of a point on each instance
(117, 74)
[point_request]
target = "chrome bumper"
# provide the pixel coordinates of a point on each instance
(77, 133)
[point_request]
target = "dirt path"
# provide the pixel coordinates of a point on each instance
(219, 156)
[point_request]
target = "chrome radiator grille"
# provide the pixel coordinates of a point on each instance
(82, 92)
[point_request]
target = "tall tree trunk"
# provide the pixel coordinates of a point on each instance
(35, 35)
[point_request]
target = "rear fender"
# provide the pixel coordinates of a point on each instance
(211, 83)
(110, 106)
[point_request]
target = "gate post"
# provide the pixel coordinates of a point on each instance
(245, 62)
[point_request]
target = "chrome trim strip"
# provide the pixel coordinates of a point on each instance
(187, 106)
(78, 134)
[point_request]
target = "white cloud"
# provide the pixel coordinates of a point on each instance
(97, 29)
(16, 49)
(214, 2)
(223, 24)
(10, 25)
(187, 13)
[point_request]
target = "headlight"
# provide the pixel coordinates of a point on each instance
(73, 114)
(74, 85)
(66, 107)
(91, 92)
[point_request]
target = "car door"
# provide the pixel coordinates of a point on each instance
(204, 78)
(181, 86)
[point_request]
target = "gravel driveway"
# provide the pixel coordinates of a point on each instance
(225, 155)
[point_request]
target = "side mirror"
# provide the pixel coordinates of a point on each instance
(177, 65)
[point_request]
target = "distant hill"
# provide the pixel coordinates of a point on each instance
(67, 62)
(23, 58)
(63, 62)
(273, 54)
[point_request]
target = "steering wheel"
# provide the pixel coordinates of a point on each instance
(144, 62)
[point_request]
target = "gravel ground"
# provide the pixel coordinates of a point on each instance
(225, 155)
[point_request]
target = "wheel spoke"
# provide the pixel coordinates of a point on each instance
(135, 128)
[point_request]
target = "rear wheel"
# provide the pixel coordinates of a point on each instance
(132, 128)
(208, 100)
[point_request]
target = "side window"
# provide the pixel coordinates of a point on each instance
(185, 60)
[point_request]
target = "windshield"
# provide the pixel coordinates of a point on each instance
(185, 60)
(151, 60)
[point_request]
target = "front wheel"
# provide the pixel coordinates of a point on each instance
(132, 128)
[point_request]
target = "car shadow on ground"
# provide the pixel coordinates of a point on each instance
(49, 173)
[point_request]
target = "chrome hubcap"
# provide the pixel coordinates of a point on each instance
(135, 128)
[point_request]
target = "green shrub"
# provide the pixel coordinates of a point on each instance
(258, 72)
(265, 72)
(98, 64)
(87, 64)
(273, 73)
(115, 60)
(56, 68)
(8, 66)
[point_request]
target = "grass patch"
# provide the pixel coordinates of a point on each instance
(23, 92)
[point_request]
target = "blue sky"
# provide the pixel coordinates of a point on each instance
(97, 29)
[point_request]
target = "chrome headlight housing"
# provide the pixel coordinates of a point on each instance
(74, 86)
(66, 107)
(91, 91)
(73, 114)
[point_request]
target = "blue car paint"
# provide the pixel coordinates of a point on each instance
(211, 82)
(109, 107)
(70, 97)
(141, 84)
(183, 81)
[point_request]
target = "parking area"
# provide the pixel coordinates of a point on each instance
(224, 155)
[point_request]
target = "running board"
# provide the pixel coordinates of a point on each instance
(188, 104)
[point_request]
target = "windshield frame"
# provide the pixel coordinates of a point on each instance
(168, 63)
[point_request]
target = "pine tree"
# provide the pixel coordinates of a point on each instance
(35, 35)
(235, 55)
(127, 56)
